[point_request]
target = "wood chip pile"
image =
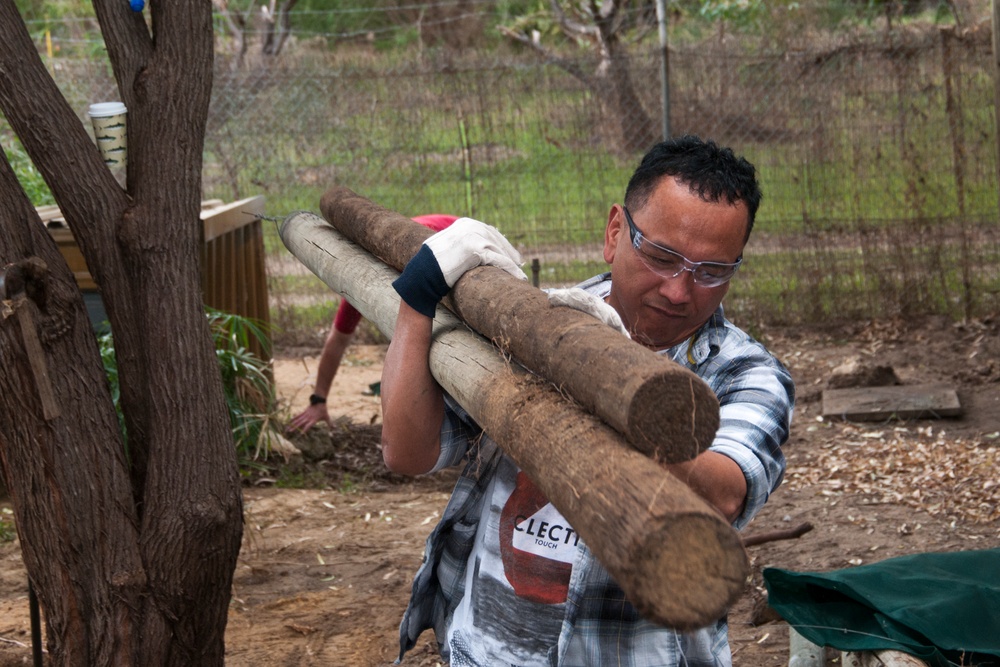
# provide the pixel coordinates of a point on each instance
(917, 467)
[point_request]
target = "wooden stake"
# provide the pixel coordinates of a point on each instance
(21, 309)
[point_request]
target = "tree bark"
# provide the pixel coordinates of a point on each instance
(636, 131)
(680, 564)
(663, 409)
(132, 557)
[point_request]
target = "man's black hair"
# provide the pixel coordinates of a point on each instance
(711, 171)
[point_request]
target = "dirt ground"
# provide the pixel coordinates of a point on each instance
(325, 569)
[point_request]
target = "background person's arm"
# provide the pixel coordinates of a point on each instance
(412, 401)
(345, 321)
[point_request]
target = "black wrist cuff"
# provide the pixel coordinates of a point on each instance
(315, 399)
(421, 284)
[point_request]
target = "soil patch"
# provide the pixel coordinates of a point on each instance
(325, 571)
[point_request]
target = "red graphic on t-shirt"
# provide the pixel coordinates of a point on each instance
(536, 545)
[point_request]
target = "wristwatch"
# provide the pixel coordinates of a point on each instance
(315, 399)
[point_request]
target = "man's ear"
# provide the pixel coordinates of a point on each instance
(614, 233)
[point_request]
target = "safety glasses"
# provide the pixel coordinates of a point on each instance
(669, 264)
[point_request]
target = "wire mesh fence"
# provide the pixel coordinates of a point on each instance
(877, 155)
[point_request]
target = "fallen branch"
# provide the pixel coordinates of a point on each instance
(13, 641)
(775, 535)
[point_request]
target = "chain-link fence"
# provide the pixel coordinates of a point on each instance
(877, 156)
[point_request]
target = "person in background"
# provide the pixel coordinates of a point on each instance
(673, 245)
(345, 322)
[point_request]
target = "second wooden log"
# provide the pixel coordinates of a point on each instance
(678, 561)
(663, 409)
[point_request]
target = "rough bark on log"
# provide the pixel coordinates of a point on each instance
(678, 561)
(663, 409)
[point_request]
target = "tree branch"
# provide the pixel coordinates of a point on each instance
(284, 25)
(775, 535)
(563, 63)
(52, 133)
(128, 42)
(573, 29)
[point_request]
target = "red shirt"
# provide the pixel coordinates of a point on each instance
(347, 318)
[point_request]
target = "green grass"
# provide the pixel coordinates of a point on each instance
(519, 149)
(8, 530)
(795, 286)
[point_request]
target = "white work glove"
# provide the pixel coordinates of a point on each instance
(447, 255)
(584, 301)
(468, 243)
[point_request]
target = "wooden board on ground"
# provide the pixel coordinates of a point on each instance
(923, 401)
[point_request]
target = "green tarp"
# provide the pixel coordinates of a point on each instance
(941, 607)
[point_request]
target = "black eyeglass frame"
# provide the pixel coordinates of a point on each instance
(703, 279)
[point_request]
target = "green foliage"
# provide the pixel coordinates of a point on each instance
(31, 180)
(248, 387)
(740, 12)
(32, 10)
(289, 477)
(106, 345)
(8, 532)
(249, 391)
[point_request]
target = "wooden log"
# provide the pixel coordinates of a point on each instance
(802, 652)
(886, 658)
(923, 401)
(675, 557)
(662, 408)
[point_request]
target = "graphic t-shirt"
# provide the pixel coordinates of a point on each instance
(516, 588)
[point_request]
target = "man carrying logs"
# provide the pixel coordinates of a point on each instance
(506, 579)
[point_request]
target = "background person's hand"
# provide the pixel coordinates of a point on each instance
(308, 418)
(447, 255)
(578, 299)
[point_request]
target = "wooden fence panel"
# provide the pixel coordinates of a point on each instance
(234, 278)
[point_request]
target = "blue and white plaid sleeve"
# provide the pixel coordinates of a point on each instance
(756, 398)
(458, 432)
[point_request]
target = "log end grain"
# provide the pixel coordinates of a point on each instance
(673, 416)
(698, 566)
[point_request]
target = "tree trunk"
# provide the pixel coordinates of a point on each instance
(635, 131)
(638, 131)
(132, 557)
(678, 561)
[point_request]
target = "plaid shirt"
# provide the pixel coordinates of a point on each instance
(601, 627)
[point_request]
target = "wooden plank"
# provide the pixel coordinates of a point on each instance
(224, 219)
(234, 277)
(74, 258)
(923, 401)
(49, 213)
